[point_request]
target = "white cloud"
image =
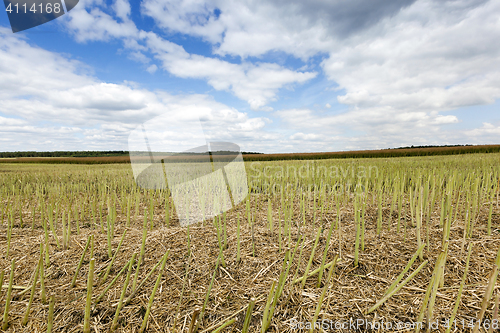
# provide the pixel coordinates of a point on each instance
(255, 83)
(488, 130)
(152, 69)
(302, 136)
(96, 25)
(122, 9)
(59, 106)
(429, 57)
(410, 55)
(258, 84)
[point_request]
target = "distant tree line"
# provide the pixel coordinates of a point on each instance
(384, 153)
(431, 146)
(18, 154)
(109, 157)
(109, 153)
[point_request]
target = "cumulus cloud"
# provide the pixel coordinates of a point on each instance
(255, 83)
(432, 56)
(60, 106)
(252, 28)
(258, 84)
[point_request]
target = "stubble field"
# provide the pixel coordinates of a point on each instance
(351, 245)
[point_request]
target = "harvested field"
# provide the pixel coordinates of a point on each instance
(372, 215)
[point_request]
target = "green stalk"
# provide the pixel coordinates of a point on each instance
(50, 320)
(427, 295)
(311, 258)
(43, 296)
(77, 217)
(379, 215)
(333, 262)
(238, 258)
(270, 214)
(134, 290)
(108, 232)
(279, 229)
(151, 212)
(389, 295)
(226, 324)
(419, 224)
(111, 284)
(323, 293)
(73, 282)
(113, 259)
(327, 245)
(225, 230)
(299, 262)
(151, 298)
(248, 316)
(457, 302)
(407, 267)
(128, 213)
(33, 217)
(489, 217)
(8, 298)
(202, 312)
(21, 214)
(268, 314)
(440, 277)
(265, 316)
(33, 287)
(63, 223)
(144, 235)
(358, 234)
(51, 224)
(488, 293)
(90, 282)
(167, 212)
(182, 295)
(2, 275)
(68, 234)
(9, 234)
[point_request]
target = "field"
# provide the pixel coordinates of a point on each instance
(89, 157)
(352, 244)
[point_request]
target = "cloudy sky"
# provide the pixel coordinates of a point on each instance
(270, 75)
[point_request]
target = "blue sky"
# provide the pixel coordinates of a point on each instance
(271, 76)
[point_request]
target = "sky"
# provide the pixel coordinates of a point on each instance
(271, 76)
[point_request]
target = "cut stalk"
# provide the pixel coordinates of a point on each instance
(238, 258)
(151, 298)
(407, 267)
(43, 296)
(488, 293)
(88, 304)
(323, 293)
(457, 302)
(73, 282)
(202, 312)
(333, 262)
(248, 316)
(8, 298)
(134, 291)
(395, 290)
(327, 245)
(33, 287)
(112, 283)
(113, 259)
(311, 257)
(50, 320)
(226, 324)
